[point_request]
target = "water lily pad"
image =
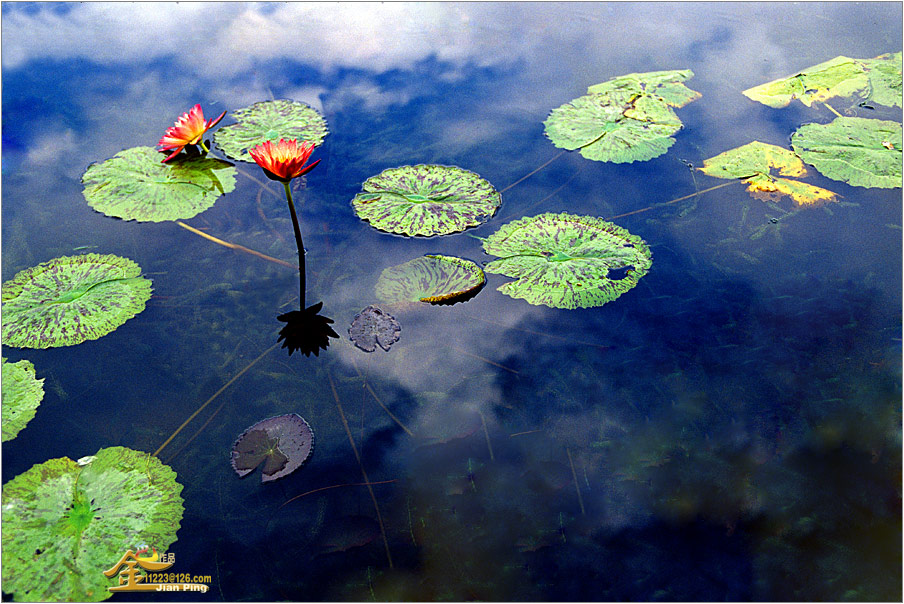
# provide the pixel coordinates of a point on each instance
(667, 85)
(858, 151)
(270, 121)
(885, 79)
(433, 278)
(616, 127)
(426, 200)
(22, 393)
(280, 443)
(70, 299)
(753, 163)
(841, 76)
(373, 326)
(625, 119)
(878, 79)
(135, 185)
(64, 524)
(567, 261)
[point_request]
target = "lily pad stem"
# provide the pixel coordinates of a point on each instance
(298, 242)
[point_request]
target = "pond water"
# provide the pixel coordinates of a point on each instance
(729, 429)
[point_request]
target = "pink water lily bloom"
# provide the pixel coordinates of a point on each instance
(188, 131)
(284, 160)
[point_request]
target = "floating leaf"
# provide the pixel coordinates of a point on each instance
(426, 200)
(135, 185)
(885, 79)
(270, 121)
(878, 79)
(667, 85)
(625, 119)
(373, 326)
(64, 524)
(840, 76)
(22, 393)
(281, 443)
(565, 261)
(858, 151)
(70, 299)
(753, 162)
(432, 278)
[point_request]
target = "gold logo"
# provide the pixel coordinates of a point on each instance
(131, 578)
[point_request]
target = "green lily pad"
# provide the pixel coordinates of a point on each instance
(753, 163)
(270, 121)
(70, 299)
(666, 85)
(22, 393)
(885, 79)
(426, 200)
(878, 79)
(841, 76)
(567, 261)
(858, 151)
(135, 185)
(433, 278)
(66, 522)
(280, 443)
(617, 126)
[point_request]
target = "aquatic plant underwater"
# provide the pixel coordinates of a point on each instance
(558, 260)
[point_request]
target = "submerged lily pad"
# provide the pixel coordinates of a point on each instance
(426, 200)
(135, 185)
(281, 443)
(433, 278)
(22, 393)
(70, 299)
(753, 162)
(567, 261)
(373, 326)
(625, 119)
(878, 79)
(270, 121)
(858, 151)
(64, 524)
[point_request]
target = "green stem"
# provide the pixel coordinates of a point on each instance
(298, 242)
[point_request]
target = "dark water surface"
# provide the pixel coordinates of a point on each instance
(730, 429)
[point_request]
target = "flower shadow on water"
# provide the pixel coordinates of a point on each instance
(306, 330)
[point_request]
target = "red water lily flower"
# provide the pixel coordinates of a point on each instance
(188, 131)
(284, 160)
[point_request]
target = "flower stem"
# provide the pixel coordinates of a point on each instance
(298, 242)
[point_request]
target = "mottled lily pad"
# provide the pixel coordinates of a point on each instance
(753, 162)
(434, 278)
(280, 443)
(373, 326)
(858, 151)
(426, 200)
(626, 119)
(65, 523)
(270, 121)
(70, 299)
(22, 393)
(135, 185)
(567, 261)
